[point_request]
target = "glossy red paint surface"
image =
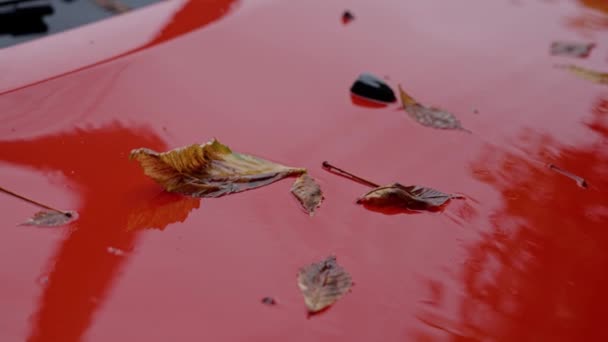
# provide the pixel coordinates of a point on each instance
(523, 258)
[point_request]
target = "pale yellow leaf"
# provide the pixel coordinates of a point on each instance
(210, 170)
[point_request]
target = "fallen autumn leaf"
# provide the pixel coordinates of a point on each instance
(214, 170)
(429, 116)
(323, 283)
(395, 195)
(308, 193)
(405, 197)
(50, 218)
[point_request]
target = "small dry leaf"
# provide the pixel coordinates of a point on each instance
(405, 197)
(308, 193)
(429, 116)
(113, 6)
(50, 218)
(587, 74)
(209, 170)
(323, 283)
(571, 49)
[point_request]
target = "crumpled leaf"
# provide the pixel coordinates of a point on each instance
(587, 74)
(308, 193)
(411, 197)
(323, 283)
(51, 218)
(429, 116)
(571, 49)
(209, 170)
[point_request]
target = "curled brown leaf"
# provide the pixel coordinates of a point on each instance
(210, 170)
(405, 197)
(308, 193)
(429, 116)
(323, 283)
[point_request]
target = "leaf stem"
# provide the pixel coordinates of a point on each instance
(34, 202)
(580, 181)
(347, 174)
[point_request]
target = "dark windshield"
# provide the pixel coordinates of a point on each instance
(23, 20)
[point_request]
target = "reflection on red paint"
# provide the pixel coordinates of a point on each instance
(363, 102)
(192, 16)
(541, 268)
(83, 270)
(393, 210)
(161, 210)
(519, 258)
(195, 14)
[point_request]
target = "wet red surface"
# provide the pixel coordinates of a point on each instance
(522, 258)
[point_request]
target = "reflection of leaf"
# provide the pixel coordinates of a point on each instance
(323, 283)
(405, 197)
(51, 218)
(161, 211)
(571, 49)
(429, 116)
(587, 74)
(209, 170)
(308, 192)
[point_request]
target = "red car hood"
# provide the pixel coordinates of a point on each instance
(523, 257)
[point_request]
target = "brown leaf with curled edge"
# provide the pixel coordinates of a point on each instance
(209, 170)
(51, 218)
(161, 211)
(308, 193)
(411, 197)
(323, 283)
(571, 49)
(429, 116)
(587, 74)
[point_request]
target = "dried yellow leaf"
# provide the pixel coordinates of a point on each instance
(209, 170)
